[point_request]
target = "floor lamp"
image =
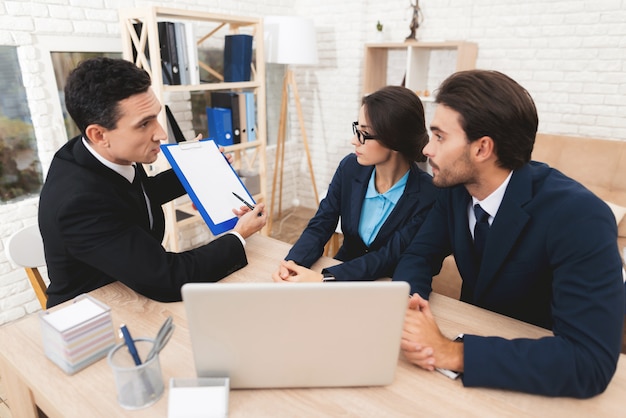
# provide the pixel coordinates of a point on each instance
(289, 40)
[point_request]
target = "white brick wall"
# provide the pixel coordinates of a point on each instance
(570, 55)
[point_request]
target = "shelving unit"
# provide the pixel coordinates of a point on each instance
(247, 155)
(417, 61)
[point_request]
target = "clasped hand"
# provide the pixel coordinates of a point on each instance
(289, 271)
(423, 343)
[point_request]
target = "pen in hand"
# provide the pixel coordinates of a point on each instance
(245, 202)
(130, 344)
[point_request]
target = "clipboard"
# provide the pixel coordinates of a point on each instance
(209, 181)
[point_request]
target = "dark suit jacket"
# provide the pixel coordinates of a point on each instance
(95, 232)
(550, 259)
(345, 199)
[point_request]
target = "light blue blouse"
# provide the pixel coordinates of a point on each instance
(377, 207)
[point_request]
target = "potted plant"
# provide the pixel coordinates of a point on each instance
(379, 31)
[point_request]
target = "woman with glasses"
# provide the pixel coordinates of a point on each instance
(378, 192)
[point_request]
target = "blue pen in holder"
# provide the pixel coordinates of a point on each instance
(138, 386)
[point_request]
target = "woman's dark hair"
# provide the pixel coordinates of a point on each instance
(492, 104)
(97, 85)
(396, 116)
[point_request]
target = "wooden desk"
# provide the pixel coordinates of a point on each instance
(32, 379)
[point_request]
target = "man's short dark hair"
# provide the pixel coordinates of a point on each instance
(492, 104)
(97, 85)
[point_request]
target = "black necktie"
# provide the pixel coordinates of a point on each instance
(138, 188)
(481, 229)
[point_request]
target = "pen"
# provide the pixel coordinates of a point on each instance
(133, 352)
(245, 203)
(163, 336)
(243, 200)
(131, 345)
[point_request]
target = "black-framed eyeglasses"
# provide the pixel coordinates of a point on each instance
(359, 134)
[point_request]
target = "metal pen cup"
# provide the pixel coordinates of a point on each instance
(137, 386)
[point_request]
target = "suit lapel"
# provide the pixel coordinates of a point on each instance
(357, 195)
(405, 204)
(83, 157)
(506, 228)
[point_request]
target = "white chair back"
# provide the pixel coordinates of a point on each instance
(25, 247)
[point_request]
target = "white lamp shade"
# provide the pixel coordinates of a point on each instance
(290, 40)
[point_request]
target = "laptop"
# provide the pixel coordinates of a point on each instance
(278, 335)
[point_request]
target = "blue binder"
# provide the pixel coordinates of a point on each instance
(220, 125)
(229, 100)
(237, 57)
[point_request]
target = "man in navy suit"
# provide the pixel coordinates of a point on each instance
(100, 215)
(549, 258)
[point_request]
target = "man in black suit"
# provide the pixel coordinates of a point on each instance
(100, 215)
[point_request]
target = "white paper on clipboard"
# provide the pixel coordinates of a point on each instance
(209, 180)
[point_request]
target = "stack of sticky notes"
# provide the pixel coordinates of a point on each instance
(76, 335)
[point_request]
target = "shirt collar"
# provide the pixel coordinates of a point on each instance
(393, 194)
(126, 171)
(491, 203)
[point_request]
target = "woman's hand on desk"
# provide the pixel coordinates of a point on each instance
(250, 221)
(423, 343)
(289, 271)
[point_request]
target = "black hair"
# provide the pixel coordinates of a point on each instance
(396, 116)
(492, 104)
(97, 85)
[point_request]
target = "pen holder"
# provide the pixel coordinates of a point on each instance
(137, 386)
